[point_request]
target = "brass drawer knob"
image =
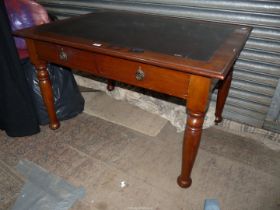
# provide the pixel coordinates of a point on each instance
(62, 55)
(140, 74)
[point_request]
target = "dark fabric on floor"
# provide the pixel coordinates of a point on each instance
(17, 116)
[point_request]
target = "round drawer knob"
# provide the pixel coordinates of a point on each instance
(140, 74)
(63, 55)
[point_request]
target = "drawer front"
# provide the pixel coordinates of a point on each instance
(135, 73)
(143, 75)
(67, 56)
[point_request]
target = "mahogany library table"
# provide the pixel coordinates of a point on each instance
(175, 56)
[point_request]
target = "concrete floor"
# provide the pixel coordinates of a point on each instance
(122, 169)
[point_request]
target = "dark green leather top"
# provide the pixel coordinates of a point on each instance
(181, 37)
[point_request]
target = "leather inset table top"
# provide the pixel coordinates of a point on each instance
(173, 36)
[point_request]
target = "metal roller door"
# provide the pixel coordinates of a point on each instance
(257, 71)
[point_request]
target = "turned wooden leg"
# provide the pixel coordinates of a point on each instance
(197, 103)
(190, 146)
(44, 83)
(47, 94)
(222, 96)
(111, 85)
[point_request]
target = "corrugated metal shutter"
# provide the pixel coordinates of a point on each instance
(273, 117)
(257, 71)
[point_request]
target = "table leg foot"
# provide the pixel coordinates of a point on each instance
(111, 85)
(218, 119)
(184, 183)
(54, 126)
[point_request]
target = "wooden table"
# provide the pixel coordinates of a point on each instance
(175, 56)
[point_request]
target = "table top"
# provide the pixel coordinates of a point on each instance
(199, 47)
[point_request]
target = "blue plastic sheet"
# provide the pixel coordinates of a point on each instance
(211, 204)
(44, 191)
